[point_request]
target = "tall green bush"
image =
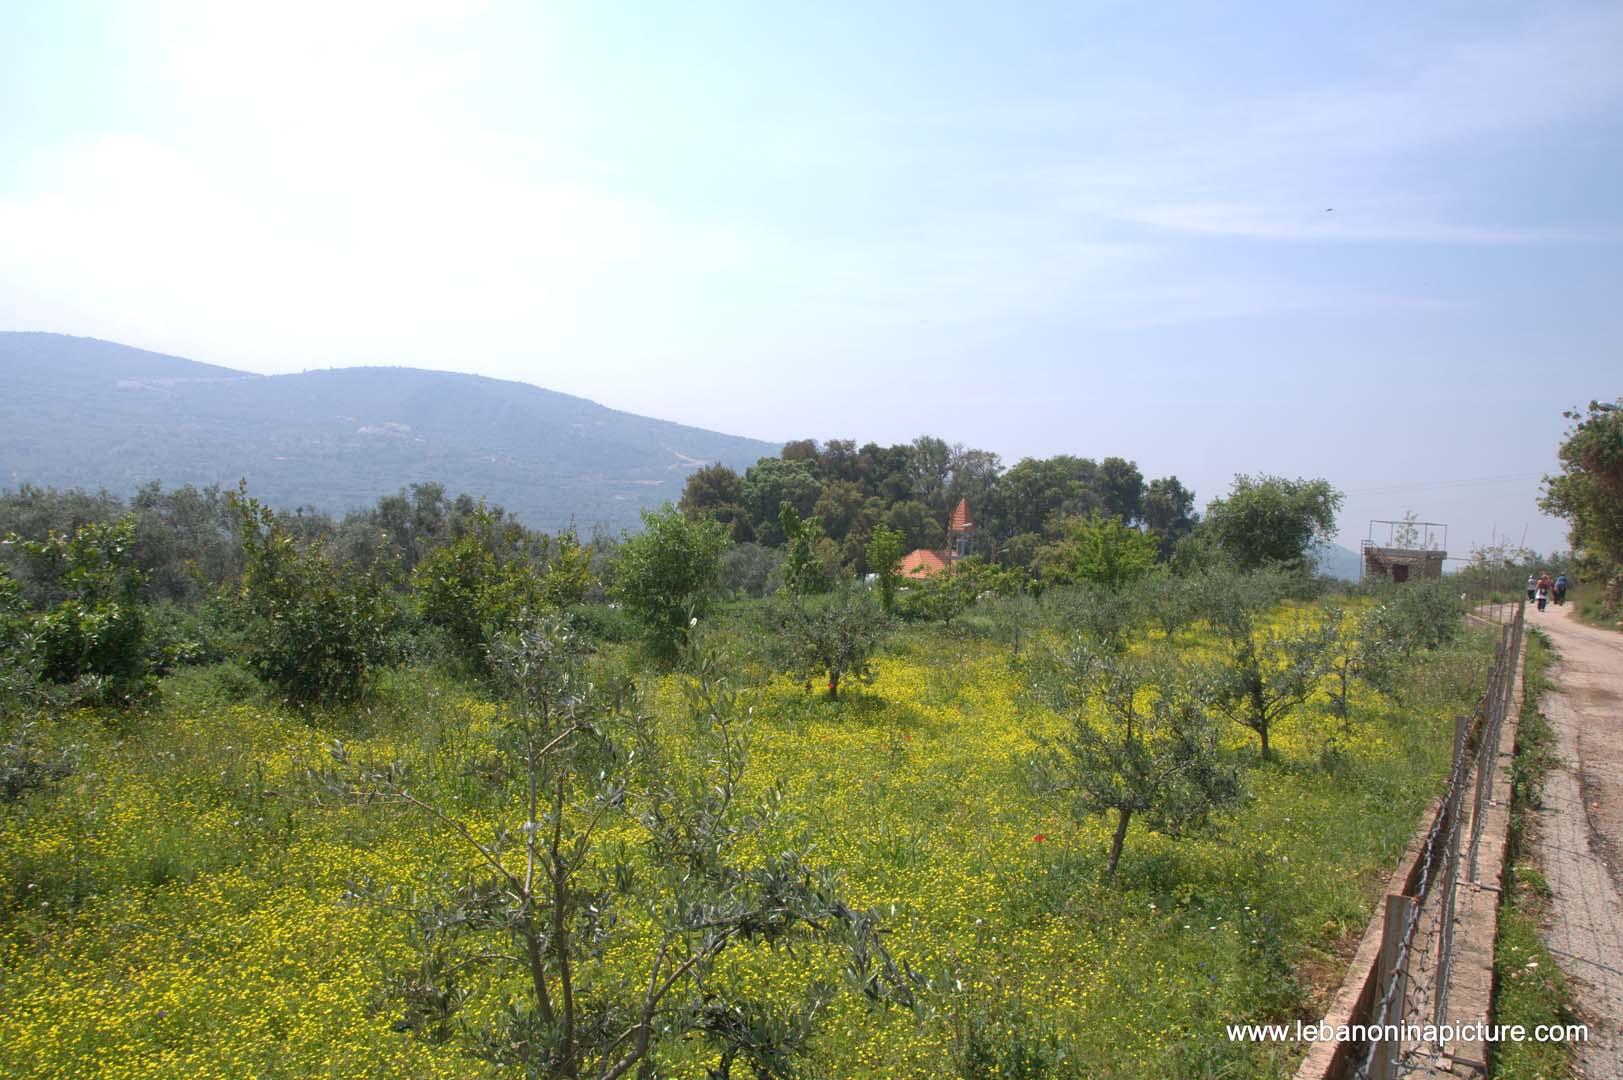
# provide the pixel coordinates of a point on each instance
(668, 574)
(96, 633)
(476, 594)
(315, 631)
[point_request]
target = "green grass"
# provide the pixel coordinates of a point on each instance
(1588, 604)
(1528, 986)
(174, 906)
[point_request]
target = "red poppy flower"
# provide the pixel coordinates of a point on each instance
(1038, 838)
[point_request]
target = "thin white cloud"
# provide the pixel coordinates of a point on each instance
(1306, 222)
(1269, 167)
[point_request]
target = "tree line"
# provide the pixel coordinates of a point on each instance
(1024, 514)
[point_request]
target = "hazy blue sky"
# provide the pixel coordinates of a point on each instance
(1377, 242)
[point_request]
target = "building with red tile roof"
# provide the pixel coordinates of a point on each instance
(923, 563)
(927, 562)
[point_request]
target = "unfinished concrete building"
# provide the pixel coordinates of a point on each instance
(1404, 550)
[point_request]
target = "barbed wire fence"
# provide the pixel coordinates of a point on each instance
(1416, 965)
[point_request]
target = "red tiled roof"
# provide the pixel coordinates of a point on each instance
(923, 563)
(961, 518)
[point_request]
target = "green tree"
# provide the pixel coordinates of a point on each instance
(534, 911)
(932, 472)
(888, 471)
(1120, 487)
(1037, 490)
(476, 593)
(716, 493)
(975, 478)
(315, 631)
(836, 637)
(1099, 550)
(1168, 512)
(770, 483)
(1588, 493)
(1264, 674)
(1268, 519)
(884, 553)
(97, 632)
(668, 574)
(804, 570)
(914, 521)
(839, 507)
(1138, 743)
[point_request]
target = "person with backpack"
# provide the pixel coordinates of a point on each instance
(1560, 589)
(1542, 593)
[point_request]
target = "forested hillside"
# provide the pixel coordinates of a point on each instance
(84, 413)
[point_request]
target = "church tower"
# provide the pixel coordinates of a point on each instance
(960, 533)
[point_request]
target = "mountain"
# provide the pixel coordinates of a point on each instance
(77, 412)
(1339, 562)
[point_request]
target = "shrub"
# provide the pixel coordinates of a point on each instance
(947, 595)
(314, 631)
(1099, 550)
(96, 635)
(667, 575)
(25, 764)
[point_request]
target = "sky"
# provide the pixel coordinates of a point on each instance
(1380, 243)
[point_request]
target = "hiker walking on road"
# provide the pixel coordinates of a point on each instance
(1532, 586)
(1542, 593)
(1560, 589)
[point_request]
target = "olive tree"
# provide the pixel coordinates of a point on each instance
(1263, 674)
(1138, 742)
(616, 951)
(837, 636)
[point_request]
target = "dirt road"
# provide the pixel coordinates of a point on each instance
(1578, 832)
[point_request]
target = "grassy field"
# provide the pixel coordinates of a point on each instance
(175, 905)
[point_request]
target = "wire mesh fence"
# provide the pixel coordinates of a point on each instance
(1419, 947)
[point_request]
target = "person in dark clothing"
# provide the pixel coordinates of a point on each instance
(1560, 589)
